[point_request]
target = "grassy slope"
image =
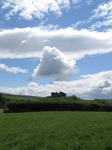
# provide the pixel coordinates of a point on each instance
(15, 98)
(56, 131)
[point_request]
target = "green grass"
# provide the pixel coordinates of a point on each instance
(15, 98)
(1, 111)
(56, 131)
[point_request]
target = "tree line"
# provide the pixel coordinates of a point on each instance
(56, 106)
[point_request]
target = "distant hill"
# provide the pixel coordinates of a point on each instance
(30, 97)
(109, 100)
(20, 96)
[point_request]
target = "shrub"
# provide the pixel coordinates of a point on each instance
(1, 98)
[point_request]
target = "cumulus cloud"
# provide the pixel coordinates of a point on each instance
(29, 42)
(34, 8)
(12, 69)
(56, 64)
(90, 86)
(97, 83)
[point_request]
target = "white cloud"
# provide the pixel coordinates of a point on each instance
(12, 69)
(101, 17)
(76, 1)
(107, 90)
(103, 12)
(37, 8)
(89, 1)
(55, 64)
(29, 42)
(34, 8)
(91, 86)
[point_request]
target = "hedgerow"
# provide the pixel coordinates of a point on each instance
(25, 106)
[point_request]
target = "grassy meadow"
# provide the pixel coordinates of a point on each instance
(56, 130)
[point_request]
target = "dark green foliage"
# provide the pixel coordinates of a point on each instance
(93, 107)
(2, 101)
(74, 97)
(43, 106)
(55, 106)
(1, 98)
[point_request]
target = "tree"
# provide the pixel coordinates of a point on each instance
(1, 98)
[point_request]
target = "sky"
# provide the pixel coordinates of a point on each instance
(56, 45)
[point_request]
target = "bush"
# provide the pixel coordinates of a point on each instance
(93, 107)
(1, 98)
(44, 106)
(1, 101)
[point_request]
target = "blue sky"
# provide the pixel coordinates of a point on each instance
(56, 45)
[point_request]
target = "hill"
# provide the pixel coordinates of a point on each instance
(19, 96)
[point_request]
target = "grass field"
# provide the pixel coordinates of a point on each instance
(56, 131)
